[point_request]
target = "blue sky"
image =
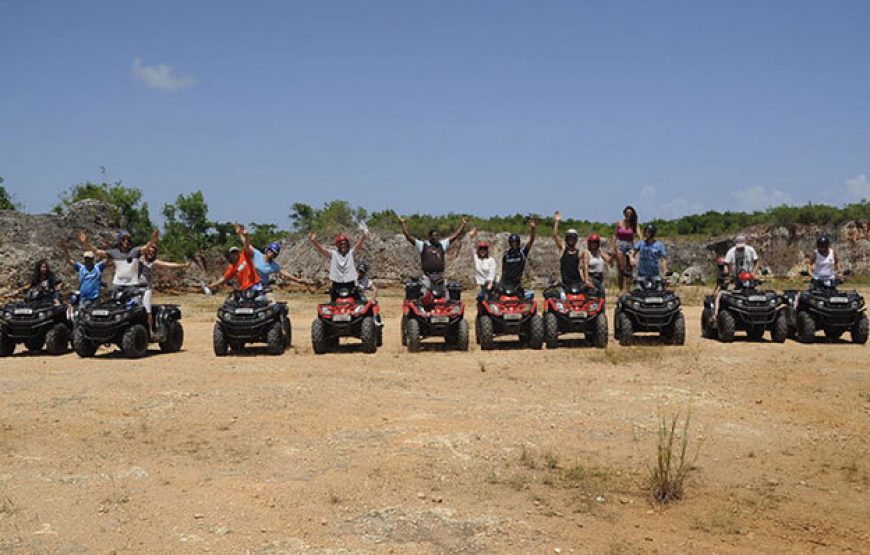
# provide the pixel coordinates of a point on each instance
(469, 106)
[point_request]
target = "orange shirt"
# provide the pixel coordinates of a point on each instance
(243, 270)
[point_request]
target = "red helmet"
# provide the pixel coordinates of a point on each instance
(341, 238)
(594, 238)
(745, 276)
(483, 245)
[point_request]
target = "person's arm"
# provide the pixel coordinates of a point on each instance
(287, 275)
(664, 264)
(460, 230)
(86, 242)
(533, 232)
(242, 232)
(557, 217)
(755, 265)
(374, 290)
(313, 238)
(584, 268)
(152, 241)
(65, 250)
(491, 272)
(172, 265)
(359, 243)
(411, 239)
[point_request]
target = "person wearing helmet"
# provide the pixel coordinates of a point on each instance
(513, 262)
(592, 263)
(484, 266)
(89, 272)
(650, 255)
(342, 268)
(124, 256)
(433, 253)
(627, 232)
(266, 264)
(569, 254)
(741, 258)
(823, 262)
(241, 265)
(148, 262)
(368, 290)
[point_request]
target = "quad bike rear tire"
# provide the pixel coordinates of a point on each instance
(380, 335)
(600, 331)
(678, 330)
(626, 330)
(806, 328)
(134, 342)
(219, 341)
(35, 343)
(859, 330)
(319, 339)
(174, 338)
(368, 333)
(551, 330)
(536, 332)
(288, 333)
(7, 345)
(486, 336)
(462, 332)
(726, 326)
(412, 335)
(57, 339)
(779, 331)
(83, 346)
(707, 329)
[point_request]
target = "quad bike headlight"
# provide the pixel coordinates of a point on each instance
(261, 315)
(358, 309)
(560, 307)
(820, 304)
(119, 317)
(772, 302)
(325, 310)
(670, 305)
(226, 316)
(855, 304)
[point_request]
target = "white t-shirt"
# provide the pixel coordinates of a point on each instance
(738, 262)
(126, 266)
(823, 267)
(342, 268)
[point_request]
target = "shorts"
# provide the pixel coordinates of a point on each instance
(624, 247)
(146, 300)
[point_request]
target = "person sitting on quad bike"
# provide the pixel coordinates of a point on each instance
(626, 233)
(650, 255)
(266, 264)
(569, 257)
(124, 256)
(342, 269)
(146, 276)
(592, 263)
(367, 289)
(739, 258)
(241, 267)
(484, 267)
(823, 263)
(43, 281)
(433, 256)
(90, 275)
(513, 262)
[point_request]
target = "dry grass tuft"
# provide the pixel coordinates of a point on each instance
(667, 479)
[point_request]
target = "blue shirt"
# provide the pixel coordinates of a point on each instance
(89, 280)
(648, 257)
(265, 268)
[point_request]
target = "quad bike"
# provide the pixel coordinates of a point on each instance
(745, 308)
(650, 307)
(347, 316)
(36, 321)
(246, 317)
(508, 312)
(440, 314)
(123, 321)
(825, 307)
(574, 309)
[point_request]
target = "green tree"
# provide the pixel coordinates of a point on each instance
(128, 201)
(6, 201)
(187, 229)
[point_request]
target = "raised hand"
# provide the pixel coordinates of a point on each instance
(83, 237)
(533, 223)
(473, 233)
(464, 220)
(401, 219)
(557, 216)
(312, 236)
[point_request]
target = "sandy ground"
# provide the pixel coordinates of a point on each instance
(510, 451)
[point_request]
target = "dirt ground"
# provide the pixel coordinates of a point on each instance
(510, 451)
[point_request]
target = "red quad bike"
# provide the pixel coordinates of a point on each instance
(347, 316)
(442, 315)
(581, 310)
(508, 312)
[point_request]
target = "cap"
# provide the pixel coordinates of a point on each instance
(234, 249)
(88, 254)
(740, 240)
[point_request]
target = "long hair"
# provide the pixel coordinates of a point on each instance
(37, 275)
(632, 223)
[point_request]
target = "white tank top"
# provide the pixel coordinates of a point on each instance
(823, 268)
(596, 263)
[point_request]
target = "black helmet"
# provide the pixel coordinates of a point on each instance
(823, 242)
(650, 229)
(513, 238)
(362, 268)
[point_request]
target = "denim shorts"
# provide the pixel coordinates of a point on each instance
(624, 247)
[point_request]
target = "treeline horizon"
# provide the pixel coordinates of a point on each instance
(187, 228)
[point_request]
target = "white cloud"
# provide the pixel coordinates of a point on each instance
(858, 188)
(675, 207)
(759, 198)
(159, 77)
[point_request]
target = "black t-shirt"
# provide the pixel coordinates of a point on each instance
(512, 265)
(48, 284)
(569, 264)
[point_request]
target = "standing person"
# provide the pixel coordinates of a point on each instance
(484, 266)
(626, 233)
(241, 266)
(513, 262)
(90, 275)
(569, 257)
(739, 258)
(342, 269)
(146, 277)
(433, 254)
(650, 255)
(823, 263)
(124, 256)
(592, 262)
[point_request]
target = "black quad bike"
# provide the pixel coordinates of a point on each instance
(442, 315)
(123, 321)
(650, 307)
(508, 312)
(827, 308)
(246, 317)
(747, 308)
(36, 321)
(574, 309)
(347, 316)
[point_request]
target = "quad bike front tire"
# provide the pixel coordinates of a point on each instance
(319, 339)
(707, 329)
(486, 333)
(806, 328)
(859, 330)
(412, 335)
(779, 331)
(600, 333)
(83, 346)
(626, 330)
(7, 345)
(275, 342)
(174, 338)
(678, 330)
(57, 339)
(536, 332)
(461, 340)
(368, 333)
(219, 341)
(134, 342)
(551, 330)
(726, 326)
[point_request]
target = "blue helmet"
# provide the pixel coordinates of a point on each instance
(274, 247)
